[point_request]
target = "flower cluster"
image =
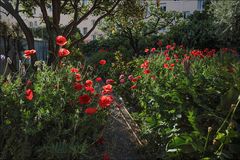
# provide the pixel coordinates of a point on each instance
(88, 98)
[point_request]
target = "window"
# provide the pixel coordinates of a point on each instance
(34, 11)
(93, 22)
(31, 24)
(163, 6)
(147, 11)
(85, 30)
(94, 37)
(200, 5)
(85, 2)
(186, 14)
(35, 23)
(50, 8)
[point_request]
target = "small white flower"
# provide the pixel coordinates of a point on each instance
(2, 57)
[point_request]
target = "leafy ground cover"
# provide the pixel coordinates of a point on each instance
(185, 102)
(57, 112)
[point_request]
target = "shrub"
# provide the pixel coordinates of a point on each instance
(185, 99)
(54, 113)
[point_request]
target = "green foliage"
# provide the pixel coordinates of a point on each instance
(183, 109)
(53, 124)
(138, 28)
(197, 31)
(226, 21)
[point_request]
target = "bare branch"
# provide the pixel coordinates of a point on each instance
(64, 4)
(68, 29)
(17, 6)
(7, 14)
(95, 24)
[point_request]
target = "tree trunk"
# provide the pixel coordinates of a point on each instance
(27, 31)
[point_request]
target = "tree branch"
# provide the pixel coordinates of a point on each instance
(56, 12)
(75, 22)
(7, 14)
(17, 6)
(95, 24)
(64, 4)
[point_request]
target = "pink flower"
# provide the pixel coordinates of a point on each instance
(110, 81)
(121, 76)
(153, 49)
(130, 77)
(122, 81)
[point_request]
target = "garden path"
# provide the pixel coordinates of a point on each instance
(121, 142)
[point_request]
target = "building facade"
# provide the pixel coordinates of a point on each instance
(187, 7)
(36, 22)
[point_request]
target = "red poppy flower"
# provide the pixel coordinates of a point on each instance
(133, 87)
(88, 83)
(102, 62)
(74, 70)
(29, 94)
(165, 65)
(172, 65)
(105, 101)
(78, 77)
(167, 58)
(147, 71)
(90, 89)
(77, 86)
(106, 156)
(63, 52)
(90, 111)
(139, 77)
(98, 79)
(61, 40)
(29, 53)
(134, 79)
(107, 89)
(110, 81)
(145, 64)
(146, 50)
(85, 99)
(168, 46)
